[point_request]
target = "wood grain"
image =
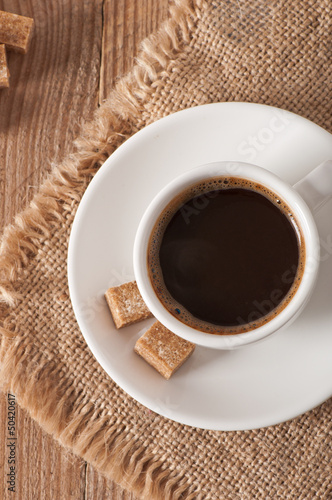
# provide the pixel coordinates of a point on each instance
(78, 51)
(44, 468)
(126, 24)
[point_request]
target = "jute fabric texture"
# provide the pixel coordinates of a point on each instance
(274, 52)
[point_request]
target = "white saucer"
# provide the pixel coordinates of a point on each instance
(256, 386)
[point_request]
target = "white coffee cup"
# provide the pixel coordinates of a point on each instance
(312, 191)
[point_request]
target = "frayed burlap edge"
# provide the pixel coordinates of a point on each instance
(61, 409)
(117, 119)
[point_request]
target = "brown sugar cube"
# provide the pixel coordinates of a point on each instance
(126, 304)
(15, 31)
(163, 350)
(4, 71)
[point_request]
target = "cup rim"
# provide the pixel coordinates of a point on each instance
(245, 171)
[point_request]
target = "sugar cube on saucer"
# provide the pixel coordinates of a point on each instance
(163, 350)
(126, 304)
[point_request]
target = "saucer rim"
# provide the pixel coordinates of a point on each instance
(140, 395)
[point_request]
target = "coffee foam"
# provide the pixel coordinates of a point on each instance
(205, 189)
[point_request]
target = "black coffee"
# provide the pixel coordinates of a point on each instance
(226, 256)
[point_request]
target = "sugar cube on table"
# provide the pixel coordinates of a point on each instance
(15, 31)
(4, 71)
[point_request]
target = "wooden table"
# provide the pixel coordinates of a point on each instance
(78, 51)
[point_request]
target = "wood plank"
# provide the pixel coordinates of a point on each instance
(41, 111)
(126, 24)
(44, 469)
(3, 442)
(53, 87)
(39, 118)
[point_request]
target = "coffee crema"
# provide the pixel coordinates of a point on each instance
(226, 256)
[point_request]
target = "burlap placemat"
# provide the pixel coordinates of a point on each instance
(274, 52)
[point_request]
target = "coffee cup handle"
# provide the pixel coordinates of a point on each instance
(316, 187)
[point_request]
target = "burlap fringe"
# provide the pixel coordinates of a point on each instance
(88, 432)
(114, 122)
(83, 429)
